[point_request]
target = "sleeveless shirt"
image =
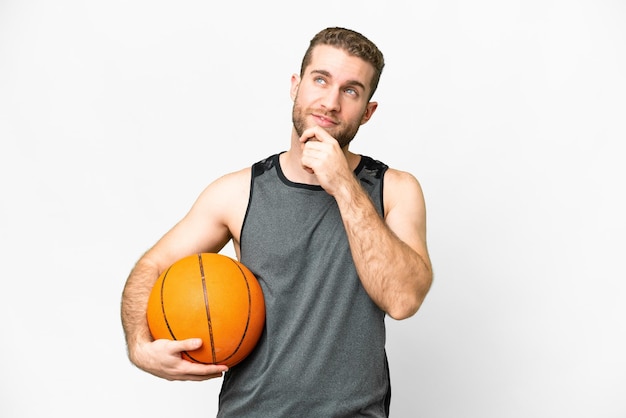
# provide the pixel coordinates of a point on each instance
(322, 351)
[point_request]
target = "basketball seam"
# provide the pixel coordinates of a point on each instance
(169, 328)
(245, 331)
(207, 308)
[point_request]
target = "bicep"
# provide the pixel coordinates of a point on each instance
(405, 209)
(209, 224)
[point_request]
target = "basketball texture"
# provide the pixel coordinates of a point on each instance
(213, 297)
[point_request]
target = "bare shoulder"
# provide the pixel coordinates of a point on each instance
(402, 187)
(217, 214)
(399, 176)
(405, 209)
(232, 183)
(214, 219)
(228, 195)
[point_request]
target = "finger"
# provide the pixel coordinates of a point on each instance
(187, 345)
(197, 371)
(199, 378)
(307, 135)
(205, 369)
(315, 133)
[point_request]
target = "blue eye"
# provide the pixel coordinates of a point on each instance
(320, 80)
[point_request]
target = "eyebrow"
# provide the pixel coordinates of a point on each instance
(356, 83)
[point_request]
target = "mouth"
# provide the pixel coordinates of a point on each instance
(324, 121)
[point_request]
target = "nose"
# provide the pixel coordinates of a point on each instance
(331, 100)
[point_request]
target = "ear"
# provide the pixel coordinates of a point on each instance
(369, 111)
(295, 84)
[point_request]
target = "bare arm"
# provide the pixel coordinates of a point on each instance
(213, 220)
(390, 254)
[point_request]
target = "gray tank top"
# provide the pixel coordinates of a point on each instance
(322, 352)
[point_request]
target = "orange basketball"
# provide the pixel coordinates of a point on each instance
(213, 297)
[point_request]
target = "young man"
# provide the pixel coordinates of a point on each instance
(334, 253)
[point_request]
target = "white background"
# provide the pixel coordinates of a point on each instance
(115, 114)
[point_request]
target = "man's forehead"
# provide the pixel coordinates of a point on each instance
(339, 64)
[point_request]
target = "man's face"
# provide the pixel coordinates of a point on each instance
(333, 93)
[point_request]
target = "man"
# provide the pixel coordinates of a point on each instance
(333, 251)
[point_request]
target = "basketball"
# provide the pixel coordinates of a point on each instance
(212, 297)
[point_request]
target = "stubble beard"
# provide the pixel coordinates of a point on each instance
(343, 135)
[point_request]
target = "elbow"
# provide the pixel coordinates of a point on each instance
(407, 304)
(400, 311)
